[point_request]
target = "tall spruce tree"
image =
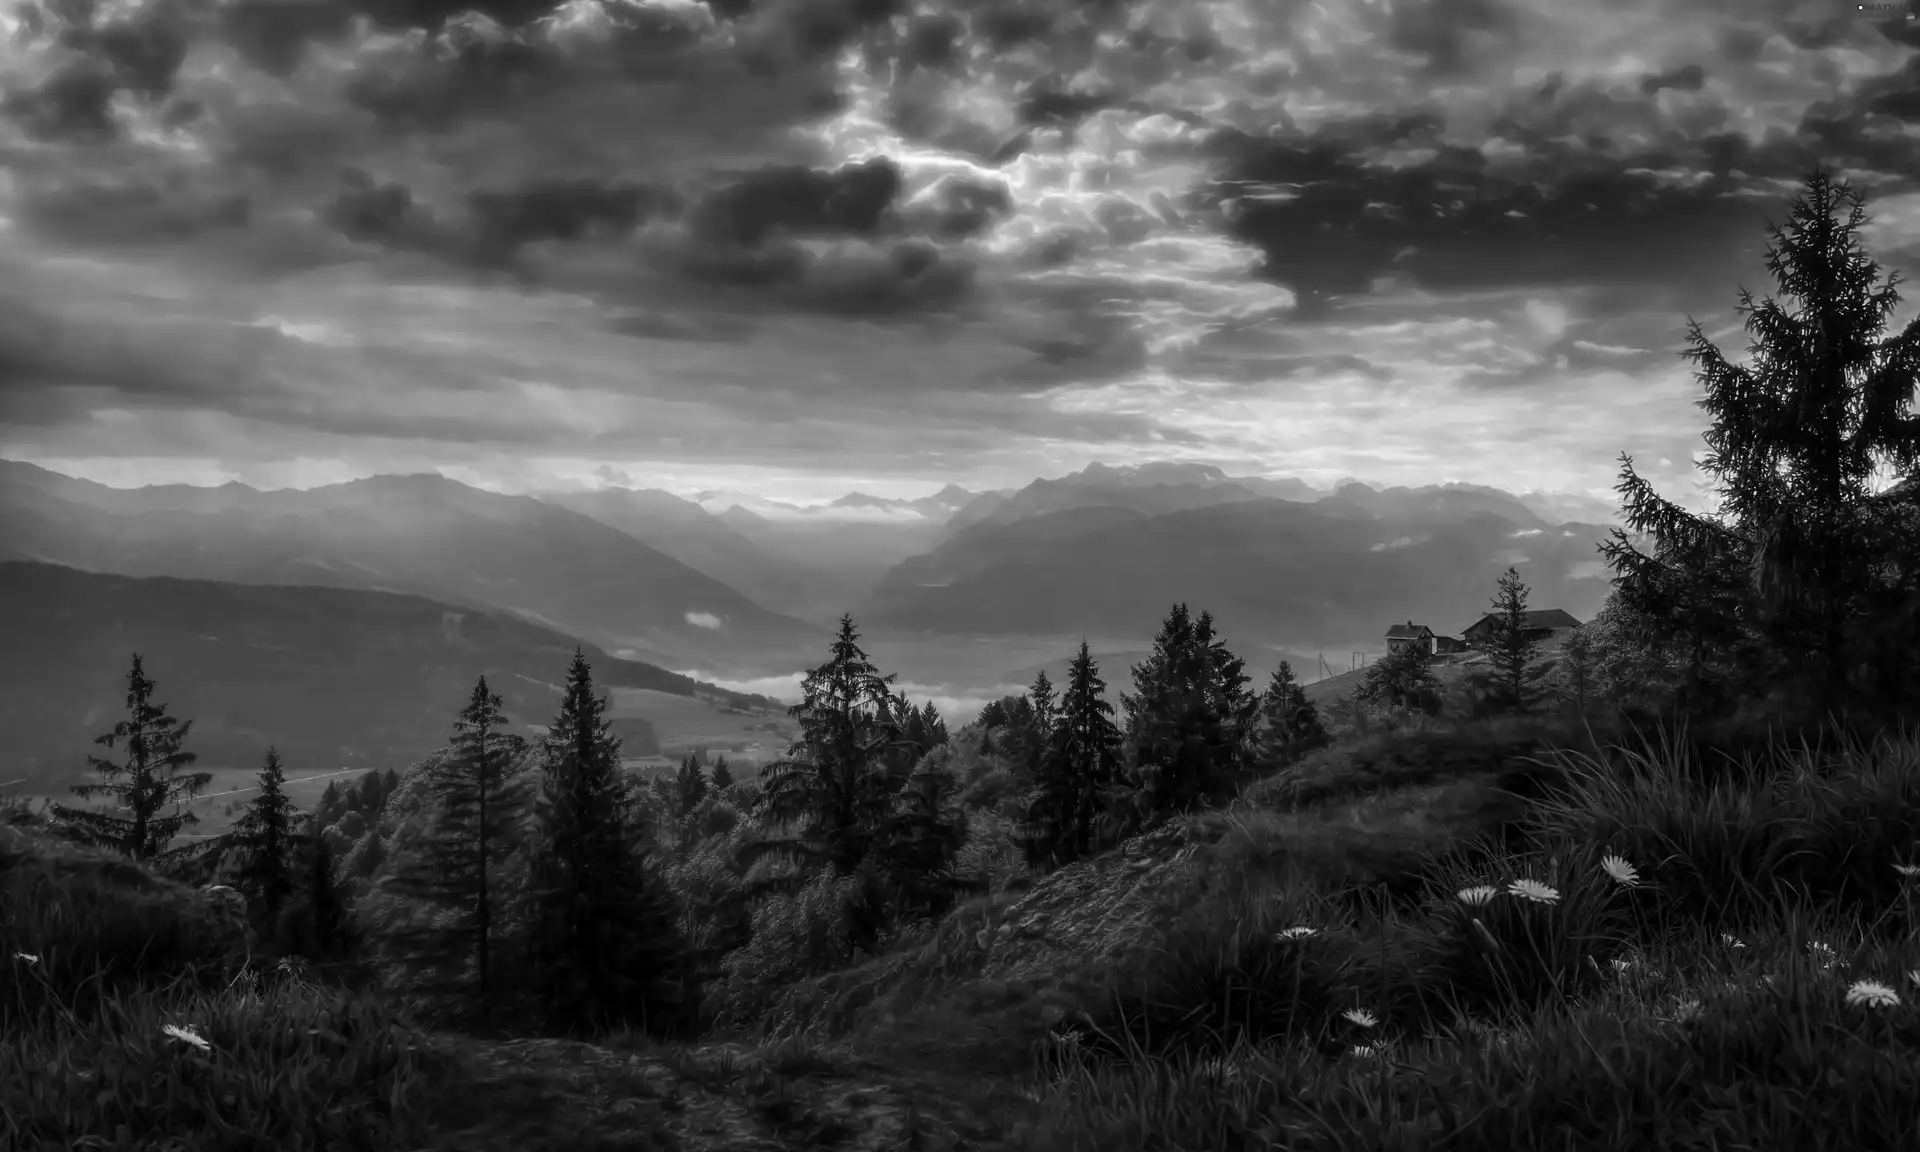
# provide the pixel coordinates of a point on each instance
(323, 930)
(1191, 716)
(689, 784)
(935, 726)
(722, 775)
(606, 949)
(1513, 655)
(920, 842)
(1045, 707)
(1083, 762)
(836, 786)
(152, 778)
(1805, 568)
(483, 798)
(264, 835)
(1290, 724)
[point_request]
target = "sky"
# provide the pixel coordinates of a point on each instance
(800, 247)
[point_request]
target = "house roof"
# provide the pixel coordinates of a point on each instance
(1538, 618)
(1408, 631)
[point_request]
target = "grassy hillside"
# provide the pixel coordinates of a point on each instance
(1481, 937)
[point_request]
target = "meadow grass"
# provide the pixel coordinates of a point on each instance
(1670, 954)
(1509, 944)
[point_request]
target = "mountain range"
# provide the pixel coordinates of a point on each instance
(333, 677)
(1273, 570)
(743, 587)
(420, 534)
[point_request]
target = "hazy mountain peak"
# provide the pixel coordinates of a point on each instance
(1152, 472)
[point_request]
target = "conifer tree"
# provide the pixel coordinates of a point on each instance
(935, 726)
(264, 834)
(920, 843)
(324, 930)
(606, 945)
(1044, 705)
(722, 775)
(914, 731)
(836, 786)
(1804, 570)
(1082, 763)
(1290, 724)
(153, 779)
(1577, 670)
(1402, 678)
(483, 798)
(1227, 695)
(1191, 716)
(1514, 656)
(690, 784)
(994, 715)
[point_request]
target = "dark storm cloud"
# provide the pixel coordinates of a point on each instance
(798, 200)
(567, 210)
(140, 54)
(273, 35)
(136, 213)
(1441, 30)
(480, 78)
(967, 207)
(777, 228)
(1330, 220)
(1686, 78)
(72, 104)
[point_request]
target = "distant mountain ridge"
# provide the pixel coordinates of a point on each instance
(1273, 571)
(1151, 487)
(421, 534)
(333, 677)
(746, 586)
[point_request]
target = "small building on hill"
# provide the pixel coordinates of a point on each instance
(1410, 635)
(1541, 624)
(1444, 645)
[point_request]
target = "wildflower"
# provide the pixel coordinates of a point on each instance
(1366, 1051)
(1300, 932)
(1620, 965)
(1873, 994)
(185, 1035)
(1914, 976)
(1822, 952)
(1534, 890)
(1069, 1039)
(27, 956)
(1622, 872)
(1478, 894)
(1686, 1010)
(1907, 869)
(1361, 1017)
(1731, 940)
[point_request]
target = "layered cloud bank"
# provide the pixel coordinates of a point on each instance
(797, 246)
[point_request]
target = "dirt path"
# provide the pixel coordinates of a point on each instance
(541, 1095)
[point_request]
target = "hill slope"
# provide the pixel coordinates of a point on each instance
(424, 535)
(697, 538)
(332, 676)
(1272, 571)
